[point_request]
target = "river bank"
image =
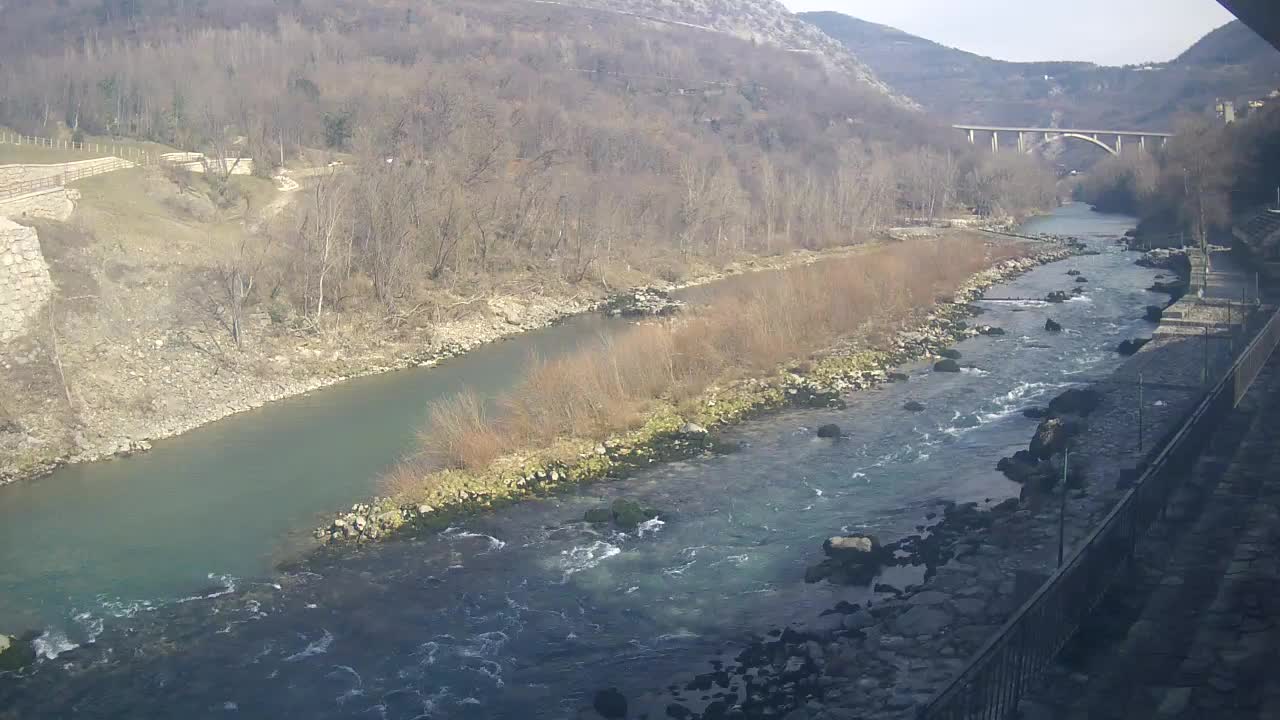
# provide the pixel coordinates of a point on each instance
(525, 611)
(194, 390)
(672, 432)
(890, 655)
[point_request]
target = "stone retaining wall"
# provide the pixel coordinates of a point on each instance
(52, 204)
(25, 284)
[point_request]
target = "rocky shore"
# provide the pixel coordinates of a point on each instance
(669, 435)
(890, 656)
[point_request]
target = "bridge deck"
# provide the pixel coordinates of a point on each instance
(1123, 133)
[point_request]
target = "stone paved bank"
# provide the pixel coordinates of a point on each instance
(888, 659)
(25, 284)
(1193, 632)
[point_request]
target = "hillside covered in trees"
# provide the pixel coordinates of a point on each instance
(466, 168)
(1230, 63)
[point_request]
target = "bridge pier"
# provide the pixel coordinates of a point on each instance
(995, 141)
(1022, 143)
(970, 137)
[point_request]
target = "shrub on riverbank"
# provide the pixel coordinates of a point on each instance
(753, 328)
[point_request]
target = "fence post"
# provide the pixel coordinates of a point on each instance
(1204, 373)
(1141, 410)
(1062, 507)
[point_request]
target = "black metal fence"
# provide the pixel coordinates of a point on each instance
(998, 675)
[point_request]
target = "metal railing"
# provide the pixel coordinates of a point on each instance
(999, 674)
(71, 173)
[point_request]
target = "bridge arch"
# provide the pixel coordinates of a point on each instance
(1088, 139)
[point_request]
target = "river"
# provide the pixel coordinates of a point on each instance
(523, 612)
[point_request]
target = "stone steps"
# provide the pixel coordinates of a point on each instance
(1159, 644)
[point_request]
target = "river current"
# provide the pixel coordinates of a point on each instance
(524, 612)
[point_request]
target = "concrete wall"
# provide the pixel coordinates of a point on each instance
(25, 285)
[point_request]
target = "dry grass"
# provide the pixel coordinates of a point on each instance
(756, 325)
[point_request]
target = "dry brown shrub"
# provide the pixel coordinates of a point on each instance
(756, 325)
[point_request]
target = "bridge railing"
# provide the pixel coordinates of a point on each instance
(999, 674)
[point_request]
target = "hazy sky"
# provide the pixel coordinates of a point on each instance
(1112, 32)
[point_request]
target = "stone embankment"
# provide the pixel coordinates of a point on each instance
(667, 435)
(25, 284)
(889, 657)
(1192, 632)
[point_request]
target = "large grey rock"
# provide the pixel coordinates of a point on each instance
(922, 620)
(858, 620)
(928, 597)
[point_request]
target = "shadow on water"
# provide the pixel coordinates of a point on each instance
(526, 611)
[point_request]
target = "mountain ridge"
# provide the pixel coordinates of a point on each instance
(1230, 62)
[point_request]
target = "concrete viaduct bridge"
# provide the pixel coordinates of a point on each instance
(1031, 137)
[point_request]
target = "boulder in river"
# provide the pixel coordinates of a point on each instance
(628, 513)
(851, 560)
(946, 366)
(1154, 313)
(1073, 272)
(610, 703)
(989, 330)
(1131, 347)
(897, 377)
(1082, 279)
(597, 516)
(1035, 413)
(1057, 296)
(1051, 437)
(830, 430)
(912, 406)
(949, 354)
(1022, 468)
(1051, 325)
(16, 653)
(1077, 291)
(1075, 401)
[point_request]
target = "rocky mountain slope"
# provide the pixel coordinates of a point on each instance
(1231, 62)
(760, 21)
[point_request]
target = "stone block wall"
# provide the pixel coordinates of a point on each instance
(25, 284)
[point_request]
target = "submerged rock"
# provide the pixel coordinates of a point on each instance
(1082, 279)
(1035, 413)
(1131, 347)
(1154, 313)
(628, 513)
(830, 430)
(897, 377)
(1073, 272)
(949, 354)
(610, 703)
(1057, 296)
(912, 406)
(989, 330)
(598, 515)
(946, 366)
(1051, 325)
